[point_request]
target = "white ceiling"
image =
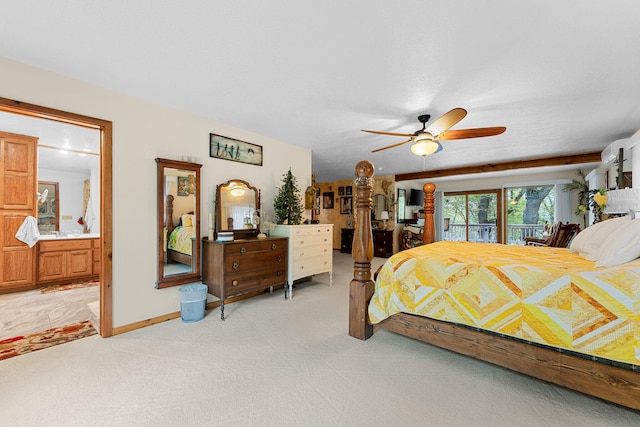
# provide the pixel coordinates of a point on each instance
(563, 77)
(71, 144)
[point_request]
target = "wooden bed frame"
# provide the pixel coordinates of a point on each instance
(170, 254)
(610, 383)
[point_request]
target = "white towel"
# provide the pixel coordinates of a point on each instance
(89, 215)
(28, 231)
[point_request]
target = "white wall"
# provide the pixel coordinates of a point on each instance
(143, 131)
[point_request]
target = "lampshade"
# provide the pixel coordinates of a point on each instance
(425, 146)
(384, 215)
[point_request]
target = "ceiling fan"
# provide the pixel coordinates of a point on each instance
(425, 140)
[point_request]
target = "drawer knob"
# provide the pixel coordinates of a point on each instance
(279, 273)
(302, 242)
(243, 250)
(234, 283)
(235, 265)
(273, 247)
(279, 259)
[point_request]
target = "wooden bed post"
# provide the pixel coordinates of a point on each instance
(428, 232)
(361, 287)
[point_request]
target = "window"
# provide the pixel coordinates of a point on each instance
(472, 216)
(528, 210)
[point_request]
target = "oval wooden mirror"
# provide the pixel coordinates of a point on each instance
(178, 222)
(238, 209)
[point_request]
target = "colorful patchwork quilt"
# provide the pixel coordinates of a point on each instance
(545, 295)
(180, 239)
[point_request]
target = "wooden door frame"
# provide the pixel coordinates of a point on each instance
(106, 191)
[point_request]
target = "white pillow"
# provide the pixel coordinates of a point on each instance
(623, 245)
(588, 242)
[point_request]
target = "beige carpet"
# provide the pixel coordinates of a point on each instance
(275, 362)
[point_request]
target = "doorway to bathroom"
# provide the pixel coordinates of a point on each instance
(104, 241)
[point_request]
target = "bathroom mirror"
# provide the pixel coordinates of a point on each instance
(238, 209)
(48, 211)
(379, 204)
(178, 213)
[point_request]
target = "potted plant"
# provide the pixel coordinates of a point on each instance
(288, 204)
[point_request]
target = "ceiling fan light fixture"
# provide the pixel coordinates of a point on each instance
(425, 147)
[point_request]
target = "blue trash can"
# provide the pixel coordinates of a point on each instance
(193, 301)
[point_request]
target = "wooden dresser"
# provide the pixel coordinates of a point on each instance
(243, 266)
(382, 242)
(346, 240)
(310, 250)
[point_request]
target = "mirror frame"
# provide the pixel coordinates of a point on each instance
(238, 233)
(55, 196)
(194, 275)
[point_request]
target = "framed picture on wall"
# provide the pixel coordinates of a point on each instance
(183, 186)
(222, 147)
(340, 191)
(348, 190)
(346, 205)
(327, 200)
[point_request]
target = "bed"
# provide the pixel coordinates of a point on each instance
(180, 236)
(542, 312)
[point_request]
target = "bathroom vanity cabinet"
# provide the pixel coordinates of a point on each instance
(67, 259)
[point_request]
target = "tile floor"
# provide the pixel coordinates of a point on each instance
(28, 312)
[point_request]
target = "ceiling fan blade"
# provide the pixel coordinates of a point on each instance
(470, 133)
(446, 121)
(387, 133)
(392, 146)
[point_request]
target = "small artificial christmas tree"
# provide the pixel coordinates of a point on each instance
(287, 204)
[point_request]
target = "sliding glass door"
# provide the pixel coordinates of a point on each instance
(472, 216)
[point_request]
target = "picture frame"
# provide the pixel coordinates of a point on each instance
(348, 190)
(222, 147)
(346, 205)
(183, 186)
(317, 205)
(340, 191)
(327, 200)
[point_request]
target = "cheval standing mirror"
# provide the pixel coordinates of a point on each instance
(178, 213)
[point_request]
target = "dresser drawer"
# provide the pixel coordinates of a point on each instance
(310, 230)
(311, 240)
(247, 247)
(311, 251)
(254, 280)
(251, 261)
(307, 267)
